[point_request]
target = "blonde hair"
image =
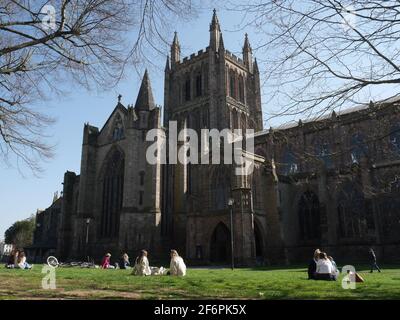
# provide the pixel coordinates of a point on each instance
(174, 252)
(316, 254)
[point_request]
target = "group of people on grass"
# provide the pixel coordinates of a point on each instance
(17, 260)
(322, 267)
(142, 267)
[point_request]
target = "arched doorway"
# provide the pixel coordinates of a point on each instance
(220, 250)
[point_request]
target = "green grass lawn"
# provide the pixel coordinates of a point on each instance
(266, 283)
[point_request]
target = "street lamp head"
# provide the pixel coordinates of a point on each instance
(87, 220)
(231, 201)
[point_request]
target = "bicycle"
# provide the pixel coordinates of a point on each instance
(53, 262)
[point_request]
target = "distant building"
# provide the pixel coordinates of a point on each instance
(5, 249)
(45, 236)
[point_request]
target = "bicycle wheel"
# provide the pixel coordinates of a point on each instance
(52, 262)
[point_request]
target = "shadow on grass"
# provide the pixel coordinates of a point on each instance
(303, 268)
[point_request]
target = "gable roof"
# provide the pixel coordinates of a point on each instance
(119, 107)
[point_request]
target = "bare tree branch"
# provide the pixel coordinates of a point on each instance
(86, 42)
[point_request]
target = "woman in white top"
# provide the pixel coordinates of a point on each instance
(142, 267)
(325, 270)
(177, 266)
(335, 271)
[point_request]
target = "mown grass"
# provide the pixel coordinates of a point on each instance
(260, 283)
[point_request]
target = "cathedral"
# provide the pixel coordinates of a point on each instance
(331, 183)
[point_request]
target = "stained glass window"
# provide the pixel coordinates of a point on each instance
(112, 195)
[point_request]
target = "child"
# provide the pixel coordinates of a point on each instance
(105, 263)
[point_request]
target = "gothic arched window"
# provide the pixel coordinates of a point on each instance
(205, 118)
(257, 190)
(112, 195)
(354, 218)
(235, 119)
(243, 123)
(220, 188)
(288, 164)
(359, 148)
(309, 216)
(389, 208)
(323, 152)
(187, 89)
(118, 131)
(232, 85)
(394, 138)
(199, 86)
(241, 89)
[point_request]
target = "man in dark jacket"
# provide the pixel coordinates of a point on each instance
(372, 256)
(312, 266)
(312, 269)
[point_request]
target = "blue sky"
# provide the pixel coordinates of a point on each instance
(20, 196)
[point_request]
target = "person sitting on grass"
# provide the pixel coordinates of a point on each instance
(21, 261)
(335, 271)
(177, 265)
(12, 259)
(142, 267)
(312, 267)
(124, 262)
(105, 263)
(324, 268)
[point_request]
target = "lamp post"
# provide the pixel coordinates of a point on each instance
(87, 236)
(231, 201)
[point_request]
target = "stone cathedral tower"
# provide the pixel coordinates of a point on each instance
(331, 183)
(211, 89)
